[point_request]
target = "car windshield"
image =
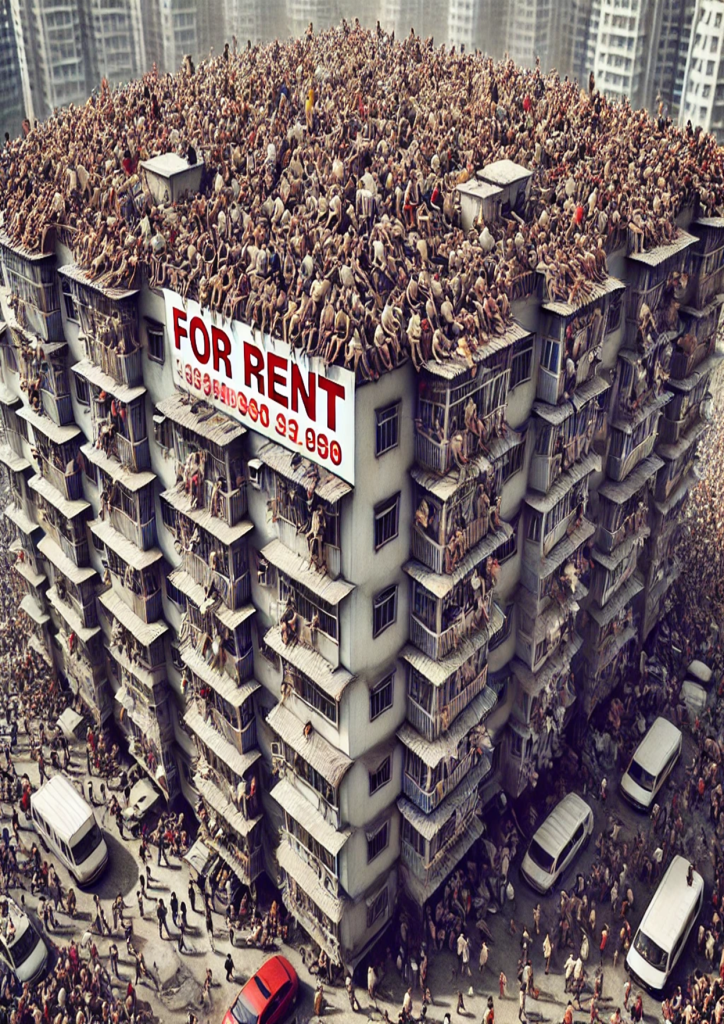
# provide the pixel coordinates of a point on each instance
(87, 844)
(243, 1011)
(641, 777)
(23, 946)
(540, 856)
(651, 952)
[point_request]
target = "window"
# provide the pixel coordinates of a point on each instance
(381, 696)
(71, 310)
(387, 521)
(82, 390)
(388, 428)
(549, 359)
(378, 841)
(377, 907)
(503, 633)
(380, 776)
(384, 611)
(522, 364)
(156, 339)
(91, 471)
(98, 543)
(176, 659)
(174, 594)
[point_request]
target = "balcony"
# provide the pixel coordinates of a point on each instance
(143, 535)
(437, 456)
(619, 467)
(436, 556)
(134, 455)
(447, 836)
(432, 724)
(59, 408)
(439, 645)
(241, 737)
(125, 369)
(473, 767)
(311, 903)
(234, 593)
(70, 485)
(683, 363)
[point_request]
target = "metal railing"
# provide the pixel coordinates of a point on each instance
(70, 485)
(432, 724)
(620, 466)
(439, 645)
(135, 456)
(143, 535)
(434, 555)
(234, 593)
(126, 369)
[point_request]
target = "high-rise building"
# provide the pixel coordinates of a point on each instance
(702, 100)
(53, 69)
(172, 30)
(676, 20)
(322, 14)
(115, 45)
(626, 49)
(530, 31)
(12, 108)
(462, 23)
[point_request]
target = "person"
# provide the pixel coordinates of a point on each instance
(353, 1001)
(210, 927)
(637, 1011)
(489, 1016)
(521, 1004)
(626, 993)
(173, 904)
(113, 957)
(229, 967)
(372, 983)
(319, 1001)
(483, 959)
(548, 951)
(161, 914)
(536, 918)
(502, 982)
(192, 895)
(604, 941)
(139, 900)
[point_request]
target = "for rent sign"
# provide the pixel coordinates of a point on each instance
(298, 402)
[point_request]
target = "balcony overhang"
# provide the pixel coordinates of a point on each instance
(144, 632)
(239, 763)
(300, 570)
(71, 617)
(597, 291)
(55, 554)
(68, 509)
(421, 889)
(201, 418)
(457, 366)
(446, 746)
(623, 597)
(47, 427)
(89, 371)
(296, 805)
(124, 548)
(619, 493)
(31, 608)
(535, 682)
(661, 253)
(219, 682)
(308, 881)
(73, 272)
(439, 585)
(218, 802)
(437, 672)
(12, 460)
(327, 486)
(214, 525)
(119, 473)
(334, 681)
(325, 758)
(20, 519)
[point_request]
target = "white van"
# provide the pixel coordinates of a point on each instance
(651, 765)
(21, 948)
(557, 842)
(666, 925)
(68, 825)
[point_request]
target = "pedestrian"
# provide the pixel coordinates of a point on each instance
(162, 848)
(181, 933)
(113, 956)
(489, 1017)
(502, 982)
(319, 1001)
(210, 928)
(139, 900)
(353, 1001)
(460, 1008)
(548, 951)
(536, 918)
(192, 895)
(483, 959)
(372, 983)
(604, 789)
(521, 1005)
(604, 940)
(183, 913)
(229, 967)
(626, 993)
(161, 914)
(173, 904)
(637, 1012)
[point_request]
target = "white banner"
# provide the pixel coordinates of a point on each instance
(295, 401)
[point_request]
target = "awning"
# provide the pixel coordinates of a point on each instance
(10, 458)
(69, 722)
(239, 763)
(199, 857)
(444, 487)
(144, 632)
(69, 509)
(71, 617)
(305, 474)
(219, 804)
(621, 492)
(182, 502)
(333, 681)
(325, 758)
(206, 421)
(60, 560)
(298, 807)
(26, 570)
(564, 483)
(299, 570)
(21, 520)
(432, 752)
(47, 427)
(106, 382)
(220, 682)
(31, 608)
(115, 470)
(124, 548)
(309, 882)
(441, 585)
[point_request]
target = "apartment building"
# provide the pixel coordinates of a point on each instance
(702, 100)
(344, 618)
(11, 94)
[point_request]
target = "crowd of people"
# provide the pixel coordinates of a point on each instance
(327, 210)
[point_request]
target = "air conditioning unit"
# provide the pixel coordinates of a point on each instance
(256, 474)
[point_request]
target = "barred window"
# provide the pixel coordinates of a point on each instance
(496, 639)
(313, 695)
(381, 775)
(509, 547)
(174, 594)
(512, 461)
(388, 428)
(91, 471)
(82, 390)
(378, 907)
(378, 842)
(382, 696)
(71, 310)
(387, 521)
(522, 365)
(384, 611)
(308, 605)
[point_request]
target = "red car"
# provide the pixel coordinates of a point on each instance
(268, 995)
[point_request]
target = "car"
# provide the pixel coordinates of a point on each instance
(268, 996)
(557, 842)
(21, 948)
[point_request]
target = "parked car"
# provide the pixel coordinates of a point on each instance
(556, 842)
(652, 763)
(21, 948)
(268, 996)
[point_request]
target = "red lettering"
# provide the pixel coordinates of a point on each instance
(179, 331)
(197, 379)
(221, 345)
(276, 368)
(309, 398)
(197, 325)
(253, 366)
(207, 384)
(334, 391)
(189, 374)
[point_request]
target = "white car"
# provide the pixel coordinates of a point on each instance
(21, 948)
(557, 842)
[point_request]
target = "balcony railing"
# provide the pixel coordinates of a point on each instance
(87, 613)
(243, 740)
(70, 485)
(59, 408)
(433, 555)
(126, 369)
(327, 877)
(432, 724)
(148, 607)
(550, 386)
(135, 456)
(143, 535)
(428, 800)
(234, 593)
(620, 466)
(231, 507)
(683, 365)
(544, 471)
(247, 866)
(439, 645)
(436, 455)
(78, 551)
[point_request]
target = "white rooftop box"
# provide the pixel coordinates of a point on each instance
(168, 176)
(478, 197)
(510, 177)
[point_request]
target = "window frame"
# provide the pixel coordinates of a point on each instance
(383, 830)
(154, 329)
(69, 299)
(381, 601)
(519, 354)
(82, 390)
(381, 510)
(384, 768)
(388, 414)
(379, 687)
(379, 908)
